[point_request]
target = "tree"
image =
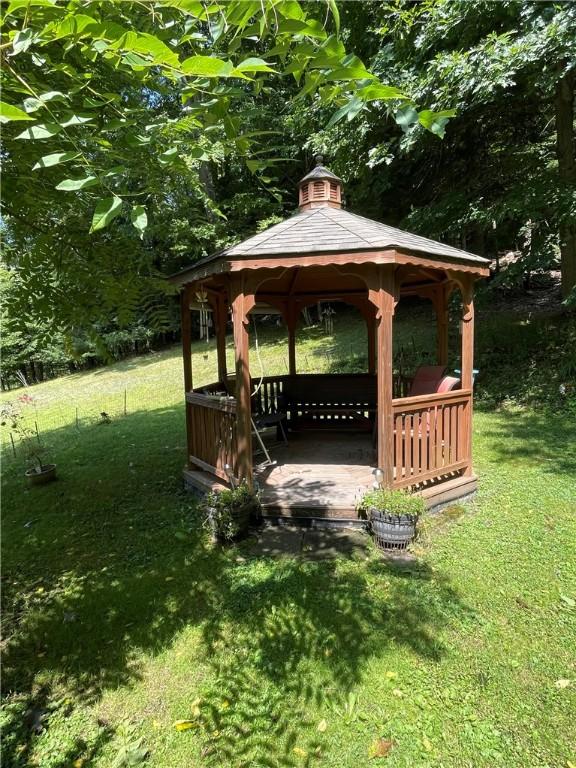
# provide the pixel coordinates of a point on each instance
(116, 115)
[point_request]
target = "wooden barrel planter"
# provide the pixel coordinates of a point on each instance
(393, 515)
(392, 531)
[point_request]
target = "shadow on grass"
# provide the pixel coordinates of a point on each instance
(518, 436)
(114, 565)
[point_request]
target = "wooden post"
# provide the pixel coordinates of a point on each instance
(186, 326)
(242, 303)
(383, 294)
(467, 367)
(441, 308)
(220, 318)
(291, 320)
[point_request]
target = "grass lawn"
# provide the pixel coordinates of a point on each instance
(120, 619)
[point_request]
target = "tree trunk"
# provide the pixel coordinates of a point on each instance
(567, 174)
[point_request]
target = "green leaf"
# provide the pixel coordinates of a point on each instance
(53, 96)
(406, 117)
(106, 210)
(71, 26)
(254, 65)
(55, 159)
(76, 120)
(16, 4)
(349, 110)
(378, 92)
(336, 14)
(22, 41)
(436, 121)
(9, 113)
(143, 44)
(169, 156)
(207, 66)
(32, 105)
(44, 131)
(139, 218)
(73, 185)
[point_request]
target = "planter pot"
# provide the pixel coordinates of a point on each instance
(392, 531)
(41, 475)
(241, 516)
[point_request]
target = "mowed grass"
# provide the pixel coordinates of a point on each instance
(120, 619)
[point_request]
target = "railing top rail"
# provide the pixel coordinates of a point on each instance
(216, 402)
(437, 398)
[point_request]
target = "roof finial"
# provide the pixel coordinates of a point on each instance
(319, 160)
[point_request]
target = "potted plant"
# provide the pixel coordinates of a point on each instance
(393, 515)
(38, 472)
(228, 513)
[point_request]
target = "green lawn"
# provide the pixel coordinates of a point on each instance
(120, 619)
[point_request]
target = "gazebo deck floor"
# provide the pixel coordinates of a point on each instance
(324, 475)
(316, 475)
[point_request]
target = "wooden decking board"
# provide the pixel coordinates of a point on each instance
(324, 476)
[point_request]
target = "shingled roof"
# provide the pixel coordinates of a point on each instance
(333, 230)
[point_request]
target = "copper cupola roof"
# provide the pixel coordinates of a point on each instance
(320, 188)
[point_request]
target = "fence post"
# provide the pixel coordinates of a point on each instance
(13, 446)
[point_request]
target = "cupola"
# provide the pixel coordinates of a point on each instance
(320, 188)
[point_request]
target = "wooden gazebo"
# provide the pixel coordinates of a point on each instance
(340, 427)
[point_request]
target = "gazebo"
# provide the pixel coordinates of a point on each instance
(343, 430)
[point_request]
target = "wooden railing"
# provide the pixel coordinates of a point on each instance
(431, 436)
(431, 432)
(212, 431)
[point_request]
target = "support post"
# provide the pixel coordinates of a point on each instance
(221, 316)
(291, 320)
(186, 325)
(467, 368)
(441, 308)
(385, 303)
(242, 302)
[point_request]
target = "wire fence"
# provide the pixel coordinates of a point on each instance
(153, 382)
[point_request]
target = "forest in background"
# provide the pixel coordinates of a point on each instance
(487, 164)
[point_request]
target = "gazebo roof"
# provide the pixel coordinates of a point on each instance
(321, 227)
(334, 230)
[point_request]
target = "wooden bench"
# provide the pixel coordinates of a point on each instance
(329, 401)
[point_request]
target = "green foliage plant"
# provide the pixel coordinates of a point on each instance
(392, 502)
(227, 513)
(11, 416)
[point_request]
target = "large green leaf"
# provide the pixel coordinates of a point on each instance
(55, 159)
(378, 92)
(105, 211)
(73, 185)
(22, 41)
(436, 121)
(44, 131)
(71, 26)
(9, 113)
(255, 65)
(139, 218)
(207, 66)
